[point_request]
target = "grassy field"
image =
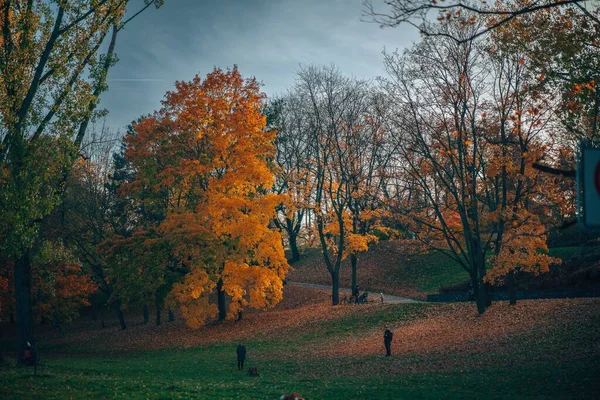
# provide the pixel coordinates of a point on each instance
(536, 349)
(389, 268)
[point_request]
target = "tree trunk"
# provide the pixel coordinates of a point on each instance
(354, 262)
(487, 294)
(117, 307)
(23, 305)
(294, 247)
(221, 300)
(146, 314)
(102, 323)
(158, 321)
(484, 294)
(11, 319)
(171, 315)
(512, 290)
(335, 288)
(479, 295)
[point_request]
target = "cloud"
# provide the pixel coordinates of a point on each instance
(265, 38)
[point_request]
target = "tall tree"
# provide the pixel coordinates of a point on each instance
(208, 151)
(52, 75)
(293, 176)
(334, 109)
(466, 157)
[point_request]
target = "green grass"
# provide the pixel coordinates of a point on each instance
(209, 372)
(428, 272)
(386, 268)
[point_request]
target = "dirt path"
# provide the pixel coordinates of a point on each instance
(387, 298)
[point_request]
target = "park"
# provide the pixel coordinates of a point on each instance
(304, 200)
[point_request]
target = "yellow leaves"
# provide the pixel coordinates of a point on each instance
(523, 247)
(357, 243)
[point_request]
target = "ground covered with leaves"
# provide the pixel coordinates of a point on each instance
(538, 348)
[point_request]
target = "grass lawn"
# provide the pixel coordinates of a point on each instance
(537, 349)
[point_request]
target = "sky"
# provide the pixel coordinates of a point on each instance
(267, 39)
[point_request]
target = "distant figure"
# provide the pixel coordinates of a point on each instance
(356, 291)
(253, 371)
(291, 396)
(241, 356)
(387, 340)
(30, 357)
(381, 297)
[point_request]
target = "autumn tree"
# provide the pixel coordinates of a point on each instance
(335, 117)
(558, 39)
(464, 152)
(293, 177)
(208, 152)
(53, 73)
(91, 212)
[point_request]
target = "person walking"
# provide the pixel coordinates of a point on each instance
(241, 355)
(387, 340)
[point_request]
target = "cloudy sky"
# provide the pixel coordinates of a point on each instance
(268, 39)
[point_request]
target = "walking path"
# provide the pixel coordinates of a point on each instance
(387, 298)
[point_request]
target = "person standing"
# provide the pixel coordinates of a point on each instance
(387, 340)
(241, 355)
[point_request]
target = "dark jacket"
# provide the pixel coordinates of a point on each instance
(387, 335)
(241, 352)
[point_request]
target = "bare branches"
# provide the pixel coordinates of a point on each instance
(418, 13)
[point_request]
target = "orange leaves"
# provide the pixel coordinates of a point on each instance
(61, 286)
(204, 157)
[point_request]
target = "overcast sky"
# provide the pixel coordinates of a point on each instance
(267, 39)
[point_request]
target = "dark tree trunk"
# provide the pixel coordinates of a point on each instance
(512, 290)
(483, 296)
(335, 288)
(23, 305)
(171, 315)
(117, 307)
(158, 321)
(478, 292)
(95, 312)
(354, 262)
(221, 300)
(487, 294)
(102, 323)
(12, 318)
(146, 314)
(294, 247)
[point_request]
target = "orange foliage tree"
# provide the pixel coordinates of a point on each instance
(208, 153)
(467, 134)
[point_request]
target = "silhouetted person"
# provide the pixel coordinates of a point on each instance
(241, 356)
(387, 340)
(30, 357)
(357, 291)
